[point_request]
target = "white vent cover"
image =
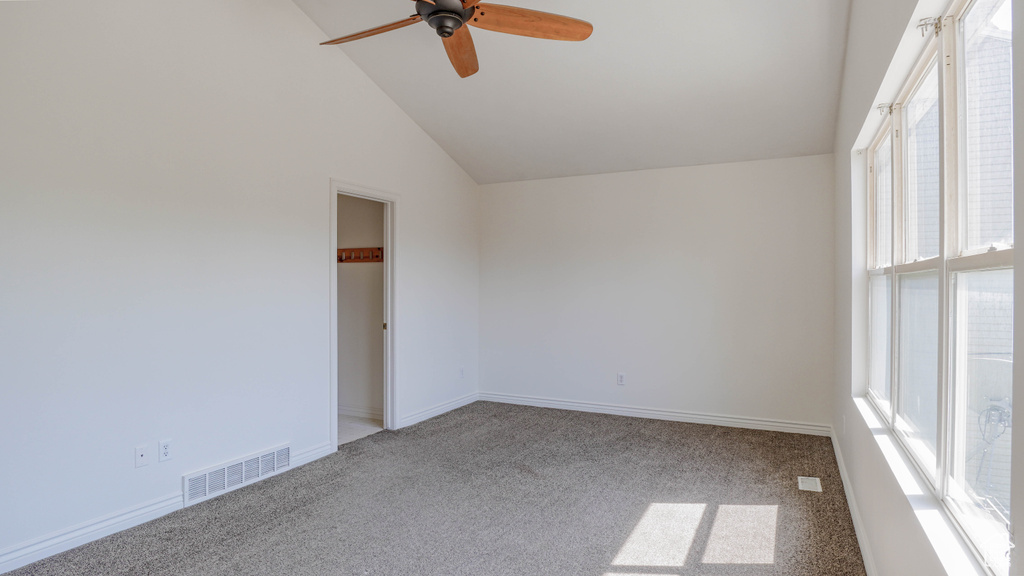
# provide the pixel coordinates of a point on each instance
(809, 483)
(205, 484)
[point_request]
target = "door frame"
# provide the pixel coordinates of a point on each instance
(391, 202)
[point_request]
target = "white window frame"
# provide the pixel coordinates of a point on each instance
(946, 48)
(898, 265)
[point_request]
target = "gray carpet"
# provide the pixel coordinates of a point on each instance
(495, 489)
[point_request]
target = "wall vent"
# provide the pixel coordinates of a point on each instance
(206, 484)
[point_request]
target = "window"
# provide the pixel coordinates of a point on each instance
(917, 378)
(979, 471)
(883, 202)
(988, 198)
(880, 353)
(940, 270)
(921, 231)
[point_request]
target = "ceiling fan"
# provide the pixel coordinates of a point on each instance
(448, 19)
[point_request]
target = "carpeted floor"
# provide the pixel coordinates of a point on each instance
(495, 489)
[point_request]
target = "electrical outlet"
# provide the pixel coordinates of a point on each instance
(165, 450)
(143, 455)
(621, 380)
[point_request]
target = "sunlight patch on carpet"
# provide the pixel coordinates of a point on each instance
(742, 535)
(662, 537)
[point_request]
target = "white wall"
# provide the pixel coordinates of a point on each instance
(893, 539)
(899, 529)
(710, 287)
(165, 248)
(360, 311)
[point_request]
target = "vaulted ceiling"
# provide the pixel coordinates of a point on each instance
(659, 84)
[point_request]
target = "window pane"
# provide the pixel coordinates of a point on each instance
(921, 209)
(880, 352)
(983, 382)
(919, 364)
(883, 203)
(987, 217)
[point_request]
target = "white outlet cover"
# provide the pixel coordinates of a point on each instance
(143, 455)
(165, 450)
(808, 483)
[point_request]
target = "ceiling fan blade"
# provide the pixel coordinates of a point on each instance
(374, 31)
(462, 52)
(469, 3)
(512, 20)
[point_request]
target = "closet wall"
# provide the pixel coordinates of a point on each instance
(360, 311)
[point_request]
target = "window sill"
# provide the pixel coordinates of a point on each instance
(952, 549)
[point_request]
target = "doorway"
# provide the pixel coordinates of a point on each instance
(362, 298)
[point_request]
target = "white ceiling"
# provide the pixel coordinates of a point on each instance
(658, 84)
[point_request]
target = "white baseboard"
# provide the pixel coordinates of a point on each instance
(659, 414)
(315, 453)
(373, 413)
(851, 501)
(437, 410)
(60, 540)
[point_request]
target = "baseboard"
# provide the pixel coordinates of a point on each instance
(373, 413)
(659, 414)
(58, 541)
(315, 453)
(851, 501)
(437, 410)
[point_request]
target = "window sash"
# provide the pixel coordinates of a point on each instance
(875, 260)
(915, 176)
(963, 214)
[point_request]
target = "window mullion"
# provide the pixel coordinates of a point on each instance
(950, 82)
(898, 178)
(898, 185)
(872, 254)
(949, 183)
(895, 336)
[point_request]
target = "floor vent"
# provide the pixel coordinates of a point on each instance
(808, 483)
(217, 480)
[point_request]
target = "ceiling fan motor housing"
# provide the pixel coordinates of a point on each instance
(444, 16)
